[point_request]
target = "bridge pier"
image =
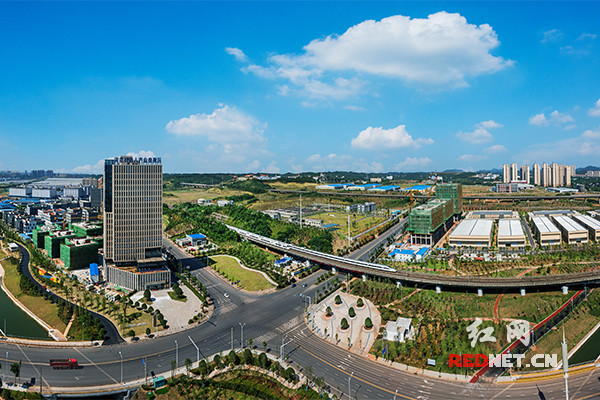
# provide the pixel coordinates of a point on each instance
(479, 292)
(565, 289)
(438, 289)
(333, 270)
(522, 291)
(364, 277)
(398, 284)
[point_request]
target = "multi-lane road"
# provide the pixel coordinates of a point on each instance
(268, 318)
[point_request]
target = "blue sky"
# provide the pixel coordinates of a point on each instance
(306, 86)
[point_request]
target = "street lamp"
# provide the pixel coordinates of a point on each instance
(121, 355)
(197, 350)
(349, 391)
(242, 334)
(176, 354)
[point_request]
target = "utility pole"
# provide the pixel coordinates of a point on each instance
(121, 355)
(242, 335)
(300, 211)
(232, 338)
(349, 237)
(349, 390)
(282, 348)
(176, 354)
(565, 361)
(197, 350)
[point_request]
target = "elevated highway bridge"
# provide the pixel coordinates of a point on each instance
(405, 277)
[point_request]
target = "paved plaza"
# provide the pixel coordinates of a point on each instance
(329, 328)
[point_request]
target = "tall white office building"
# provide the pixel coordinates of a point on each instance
(133, 222)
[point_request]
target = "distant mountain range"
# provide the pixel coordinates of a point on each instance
(581, 171)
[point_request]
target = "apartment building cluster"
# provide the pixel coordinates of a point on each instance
(546, 175)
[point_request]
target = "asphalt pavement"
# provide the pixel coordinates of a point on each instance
(270, 318)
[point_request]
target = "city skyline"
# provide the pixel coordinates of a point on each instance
(293, 87)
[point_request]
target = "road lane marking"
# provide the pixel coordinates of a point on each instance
(95, 365)
(356, 377)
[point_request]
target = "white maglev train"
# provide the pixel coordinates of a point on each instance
(287, 246)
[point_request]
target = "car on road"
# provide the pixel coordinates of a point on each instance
(304, 285)
(293, 285)
(226, 295)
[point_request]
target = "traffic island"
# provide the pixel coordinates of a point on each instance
(326, 320)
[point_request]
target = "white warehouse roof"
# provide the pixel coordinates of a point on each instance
(588, 221)
(473, 227)
(510, 227)
(544, 225)
(568, 224)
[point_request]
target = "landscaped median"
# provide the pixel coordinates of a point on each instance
(247, 279)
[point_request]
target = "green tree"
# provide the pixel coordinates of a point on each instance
(248, 358)
(263, 361)
(147, 295)
(173, 367)
(131, 333)
(368, 323)
(264, 343)
(351, 312)
(15, 368)
(360, 303)
(328, 311)
(148, 331)
(338, 299)
(188, 364)
(233, 358)
(203, 368)
(345, 323)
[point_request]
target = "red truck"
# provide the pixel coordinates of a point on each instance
(64, 363)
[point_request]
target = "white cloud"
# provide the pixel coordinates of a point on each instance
(333, 162)
(595, 111)
(237, 53)
(141, 153)
(480, 134)
(354, 108)
(224, 125)
(554, 118)
(272, 168)
(590, 134)
(558, 118)
(379, 138)
(442, 50)
(89, 168)
(553, 35)
(539, 120)
(490, 124)
(583, 148)
(413, 162)
(98, 167)
(586, 36)
(232, 135)
(472, 157)
(497, 148)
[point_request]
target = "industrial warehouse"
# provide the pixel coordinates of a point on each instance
(510, 234)
(474, 233)
(546, 232)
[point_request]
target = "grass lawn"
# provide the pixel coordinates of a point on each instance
(533, 307)
(173, 296)
(47, 311)
(192, 194)
(358, 222)
(230, 269)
